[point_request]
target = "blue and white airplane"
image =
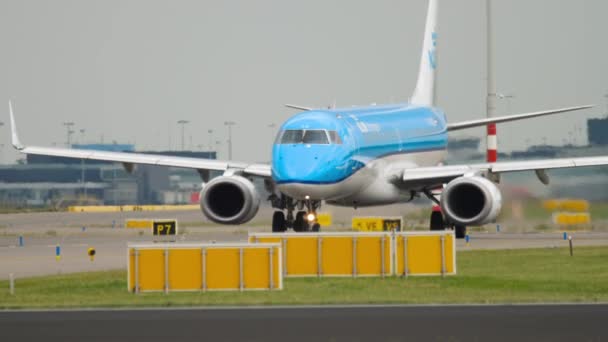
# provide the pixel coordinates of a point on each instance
(353, 157)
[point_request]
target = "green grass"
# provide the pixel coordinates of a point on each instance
(511, 276)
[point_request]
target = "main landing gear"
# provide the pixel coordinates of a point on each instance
(303, 221)
(438, 221)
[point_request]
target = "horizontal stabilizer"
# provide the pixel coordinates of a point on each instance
(515, 117)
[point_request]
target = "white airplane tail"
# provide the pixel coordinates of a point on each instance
(424, 94)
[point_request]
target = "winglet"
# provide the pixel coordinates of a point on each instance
(14, 136)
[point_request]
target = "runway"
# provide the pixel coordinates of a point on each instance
(373, 323)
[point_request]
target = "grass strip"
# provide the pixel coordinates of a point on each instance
(505, 276)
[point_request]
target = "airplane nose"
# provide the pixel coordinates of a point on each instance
(301, 167)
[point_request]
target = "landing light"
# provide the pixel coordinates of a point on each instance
(310, 217)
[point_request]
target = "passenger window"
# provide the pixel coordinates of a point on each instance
(335, 138)
(315, 137)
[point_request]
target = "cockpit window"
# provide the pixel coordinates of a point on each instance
(309, 137)
(292, 136)
(334, 137)
(315, 137)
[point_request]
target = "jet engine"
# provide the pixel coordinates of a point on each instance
(230, 200)
(471, 201)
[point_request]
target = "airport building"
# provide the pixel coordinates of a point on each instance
(59, 182)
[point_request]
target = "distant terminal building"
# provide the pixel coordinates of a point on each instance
(597, 131)
(470, 143)
(58, 181)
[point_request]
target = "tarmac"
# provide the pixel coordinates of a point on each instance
(347, 323)
(76, 232)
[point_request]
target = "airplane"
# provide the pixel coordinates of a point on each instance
(353, 157)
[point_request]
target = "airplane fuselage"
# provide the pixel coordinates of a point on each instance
(351, 156)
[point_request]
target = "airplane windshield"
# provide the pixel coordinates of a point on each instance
(309, 137)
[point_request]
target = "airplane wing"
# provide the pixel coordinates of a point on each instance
(507, 118)
(128, 159)
(436, 175)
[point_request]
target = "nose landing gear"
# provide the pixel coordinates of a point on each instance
(303, 221)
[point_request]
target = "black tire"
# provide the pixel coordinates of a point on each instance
(278, 222)
(300, 224)
(460, 231)
(316, 227)
(437, 222)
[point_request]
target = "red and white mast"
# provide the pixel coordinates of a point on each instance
(491, 140)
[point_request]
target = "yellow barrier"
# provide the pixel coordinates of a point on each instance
(425, 253)
(332, 254)
(204, 267)
(364, 254)
(119, 208)
(377, 224)
(571, 219)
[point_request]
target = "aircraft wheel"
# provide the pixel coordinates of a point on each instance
(278, 222)
(460, 231)
(437, 222)
(300, 224)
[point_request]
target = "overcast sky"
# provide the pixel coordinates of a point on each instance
(127, 71)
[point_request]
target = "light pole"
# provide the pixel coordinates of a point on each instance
(68, 126)
(82, 130)
(183, 123)
(218, 144)
(229, 124)
(1, 146)
(272, 127)
(210, 131)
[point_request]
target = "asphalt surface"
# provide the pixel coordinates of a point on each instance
(375, 323)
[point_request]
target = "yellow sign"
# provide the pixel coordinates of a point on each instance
(566, 205)
(377, 224)
(167, 227)
(569, 219)
(324, 219)
(138, 224)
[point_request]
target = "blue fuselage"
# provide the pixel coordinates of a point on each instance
(364, 135)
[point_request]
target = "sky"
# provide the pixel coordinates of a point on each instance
(128, 70)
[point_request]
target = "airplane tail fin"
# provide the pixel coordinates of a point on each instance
(424, 93)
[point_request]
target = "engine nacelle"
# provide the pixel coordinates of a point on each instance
(230, 200)
(471, 201)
